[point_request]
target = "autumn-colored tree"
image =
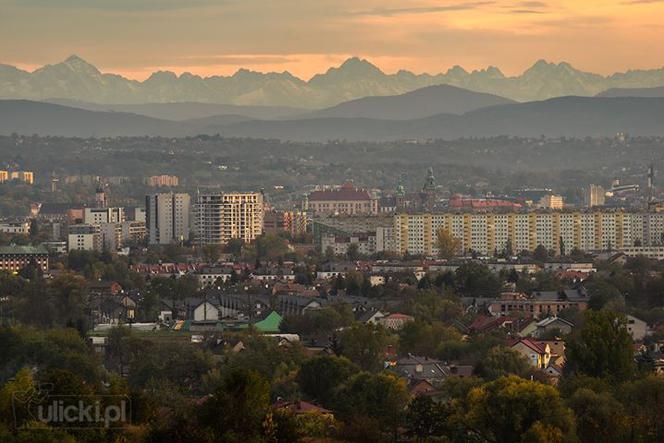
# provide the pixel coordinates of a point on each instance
(448, 245)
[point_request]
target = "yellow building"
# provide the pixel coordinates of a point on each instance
(488, 234)
(551, 202)
(24, 176)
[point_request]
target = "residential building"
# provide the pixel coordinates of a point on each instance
(345, 200)
(540, 304)
(167, 218)
(111, 236)
(538, 354)
(293, 222)
(14, 258)
(551, 202)
(95, 216)
(222, 217)
(491, 233)
(15, 228)
(23, 176)
(339, 244)
(594, 195)
(133, 231)
(84, 237)
(159, 181)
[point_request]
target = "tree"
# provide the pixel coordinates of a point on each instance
(448, 245)
(602, 347)
(381, 397)
(643, 401)
(236, 409)
(353, 253)
(501, 361)
(211, 253)
(599, 417)
(425, 418)
(319, 377)
(424, 339)
(364, 345)
(511, 409)
(476, 280)
(540, 253)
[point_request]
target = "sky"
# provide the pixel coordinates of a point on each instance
(206, 37)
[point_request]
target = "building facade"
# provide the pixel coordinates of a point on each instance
(346, 200)
(15, 258)
(167, 218)
(222, 217)
(488, 234)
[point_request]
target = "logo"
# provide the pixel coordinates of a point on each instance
(37, 407)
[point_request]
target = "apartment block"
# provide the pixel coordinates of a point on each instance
(221, 217)
(95, 216)
(167, 218)
(489, 234)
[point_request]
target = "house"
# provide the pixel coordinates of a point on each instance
(369, 317)
(104, 287)
(637, 328)
(537, 354)
(416, 369)
(395, 321)
(485, 323)
(556, 325)
(540, 304)
(210, 275)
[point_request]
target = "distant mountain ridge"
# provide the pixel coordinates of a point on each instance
(565, 116)
(420, 103)
(76, 79)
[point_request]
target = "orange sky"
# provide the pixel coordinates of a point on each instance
(207, 37)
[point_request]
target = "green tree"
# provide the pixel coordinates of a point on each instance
(236, 409)
(599, 417)
(602, 347)
(501, 361)
(382, 397)
(364, 345)
(319, 377)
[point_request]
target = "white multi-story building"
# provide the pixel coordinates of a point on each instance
(96, 216)
(84, 237)
(167, 218)
(221, 217)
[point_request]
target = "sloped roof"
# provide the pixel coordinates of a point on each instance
(268, 324)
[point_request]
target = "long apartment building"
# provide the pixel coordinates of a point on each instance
(221, 217)
(490, 233)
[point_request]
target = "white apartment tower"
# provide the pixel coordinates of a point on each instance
(167, 218)
(221, 217)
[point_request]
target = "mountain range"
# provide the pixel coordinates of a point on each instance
(565, 116)
(76, 79)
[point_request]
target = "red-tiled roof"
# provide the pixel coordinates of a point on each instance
(537, 347)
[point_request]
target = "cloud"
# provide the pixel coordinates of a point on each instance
(532, 5)
(642, 2)
(526, 11)
(121, 5)
(391, 12)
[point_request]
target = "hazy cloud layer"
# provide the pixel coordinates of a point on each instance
(206, 37)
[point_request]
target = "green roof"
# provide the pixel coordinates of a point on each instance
(14, 249)
(268, 324)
